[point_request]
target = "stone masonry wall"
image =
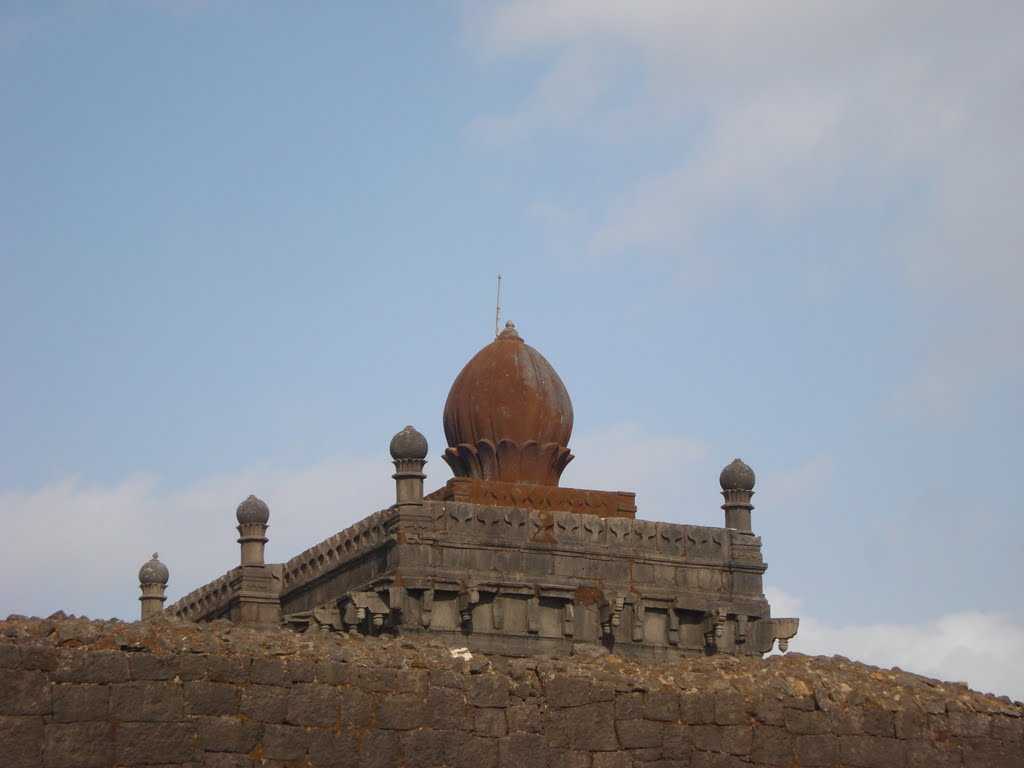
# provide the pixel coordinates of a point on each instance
(81, 694)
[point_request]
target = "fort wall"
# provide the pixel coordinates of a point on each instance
(85, 694)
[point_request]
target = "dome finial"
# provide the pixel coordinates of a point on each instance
(409, 444)
(737, 476)
(253, 510)
(510, 332)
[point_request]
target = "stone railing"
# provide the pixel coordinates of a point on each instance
(340, 548)
(207, 600)
(508, 525)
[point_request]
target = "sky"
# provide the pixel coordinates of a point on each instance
(242, 244)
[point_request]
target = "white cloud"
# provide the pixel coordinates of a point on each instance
(981, 649)
(771, 108)
(77, 547)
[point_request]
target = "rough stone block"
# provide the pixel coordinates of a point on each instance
(696, 708)
(379, 749)
(677, 743)
(10, 656)
(488, 691)
(928, 754)
(611, 760)
(425, 748)
(192, 666)
(80, 702)
(1008, 729)
(878, 722)
(971, 725)
(328, 749)
(146, 702)
(475, 752)
(157, 743)
(521, 749)
(737, 739)
(817, 750)
(591, 727)
(227, 734)
(205, 698)
(24, 692)
(769, 711)
(228, 669)
(226, 760)
(402, 713)
(490, 723)
(79, 666)
(149, 666)
(356, 707)
(313, 704)
(575, 692)
(78, 745)
(264, 703)
(661, 706)
(866, 751)
(630, 706)
(706, 738)
(39, 656)
(524, 718)
(806, 723)
(22, 740)
(447, 709)
(985, 753)
(773, 746)
(716, 760)
(638, 734)
(285, 742)
(730, 709)
(910, 723)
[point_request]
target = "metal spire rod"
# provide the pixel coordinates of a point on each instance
(497, 308)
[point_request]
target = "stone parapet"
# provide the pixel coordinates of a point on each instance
(181, 695)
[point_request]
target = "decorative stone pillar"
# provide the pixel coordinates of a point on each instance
(153, 576)
(257, 585)
(253, 515)
(409, 451)
(737, 481)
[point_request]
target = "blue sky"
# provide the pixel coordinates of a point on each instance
(242, 244)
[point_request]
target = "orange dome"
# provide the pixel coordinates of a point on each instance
(508, 415)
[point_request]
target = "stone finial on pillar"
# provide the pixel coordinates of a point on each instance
(153, 576)
(737, 481)
(409, 451)
(253, 515)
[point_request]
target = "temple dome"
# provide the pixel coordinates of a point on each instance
(253, 510)
(737, 476)
(153, 572)
(508, 415)
(408, 444)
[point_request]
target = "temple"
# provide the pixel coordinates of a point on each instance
(501, 558)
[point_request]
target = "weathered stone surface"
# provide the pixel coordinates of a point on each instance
(79, 703)
(313, 704)
(22, 741)
(597, 710)
(146, 702)
(24, 692)
(206, 698)
(78, 745)
(157, 743)
(227, 734)
(489, 691)
(264, 703)
(285, 742)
